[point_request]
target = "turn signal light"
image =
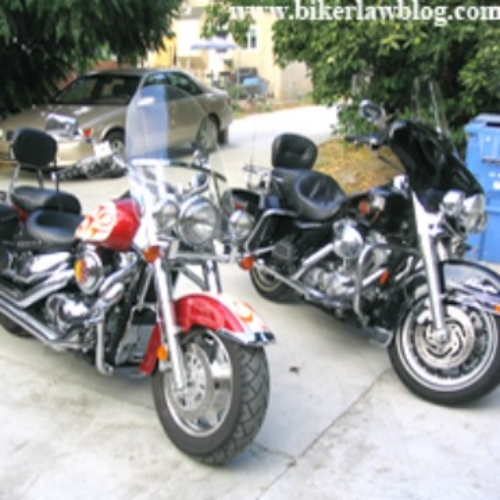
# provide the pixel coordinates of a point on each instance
(384, 277)
(162, 353)
(246, 263)
(151, 253)
(88, 133)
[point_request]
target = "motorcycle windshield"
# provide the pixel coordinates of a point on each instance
(424, 146)
(428, 106)
(176, 171)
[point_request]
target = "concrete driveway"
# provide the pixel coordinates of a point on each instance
(340, 425)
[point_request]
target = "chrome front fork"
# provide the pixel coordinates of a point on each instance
(428, 228)
(168, 323)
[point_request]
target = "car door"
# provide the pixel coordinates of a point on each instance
(189, 105)
(160, 79)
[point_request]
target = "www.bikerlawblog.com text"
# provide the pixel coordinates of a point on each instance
(402, 10)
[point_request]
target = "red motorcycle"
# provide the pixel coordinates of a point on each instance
(103, 285)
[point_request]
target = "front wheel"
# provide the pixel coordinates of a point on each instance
(225, 401)
(457, 369)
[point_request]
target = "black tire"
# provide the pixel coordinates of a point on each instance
(207, 136)
(463, 369)
(223, 136)
(245, 396)
(14, 328)
(270, 288)
(116, 141)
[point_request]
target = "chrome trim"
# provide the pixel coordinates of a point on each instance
(24, 300)
(313, 260)
(269, 213)
(248, 339)
(428, 229)
(169, 329)
(308, 293)
(39, 330)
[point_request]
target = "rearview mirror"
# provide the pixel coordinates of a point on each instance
(371, 112)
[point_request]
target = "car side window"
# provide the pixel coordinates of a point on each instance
(81, 91)
(184, 83)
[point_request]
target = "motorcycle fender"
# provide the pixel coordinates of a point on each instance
(475, 284)
(230, 317)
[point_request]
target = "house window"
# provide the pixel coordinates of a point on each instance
(252, 38)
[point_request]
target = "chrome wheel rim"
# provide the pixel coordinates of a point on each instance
(455, 362)
(118, 147)
(265, 281)
(207, 138)
(203, 406)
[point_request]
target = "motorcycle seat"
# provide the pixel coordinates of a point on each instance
(31, 198)
(293, 151)
(316, 196)
(53, 227)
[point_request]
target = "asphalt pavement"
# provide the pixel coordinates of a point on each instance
(340, 425)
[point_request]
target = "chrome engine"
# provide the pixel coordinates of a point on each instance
(66, 314)
(27, 268)
(336, 277)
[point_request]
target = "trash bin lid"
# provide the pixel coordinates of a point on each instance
(485, 120)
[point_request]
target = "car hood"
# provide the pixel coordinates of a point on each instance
(88, 116)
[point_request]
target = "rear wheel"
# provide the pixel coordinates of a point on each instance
(206, 139)
(116, 141)
(459, 368)
(13, 328)
(225, 401)
(269, 287)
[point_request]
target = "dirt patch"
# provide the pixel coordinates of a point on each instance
(356, 168)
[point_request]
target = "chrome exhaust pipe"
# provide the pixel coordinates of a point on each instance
(28, 323)
(42, 290)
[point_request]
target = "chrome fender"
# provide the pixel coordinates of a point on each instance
(472, 283)
(231, 318)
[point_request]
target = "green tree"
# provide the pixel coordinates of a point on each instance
(42, 41)
(463, 56)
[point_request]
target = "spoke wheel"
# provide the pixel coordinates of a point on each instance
(224, 402)
(455, 368)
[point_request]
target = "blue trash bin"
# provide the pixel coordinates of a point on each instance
(483, 160)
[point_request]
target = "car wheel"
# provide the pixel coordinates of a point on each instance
(117, 142)
(223, 136)
(206, 139)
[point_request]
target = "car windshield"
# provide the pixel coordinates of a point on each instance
(99, 90)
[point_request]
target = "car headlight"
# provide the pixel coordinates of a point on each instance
(473, 217)
(198, 221)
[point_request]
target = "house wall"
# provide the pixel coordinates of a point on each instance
(289, 83)
(285, 84)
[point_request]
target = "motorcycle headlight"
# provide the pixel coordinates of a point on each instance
(473, 216)
(348, 241)
(453, 202)
(241, 224)
(198, 221)
(167, 217)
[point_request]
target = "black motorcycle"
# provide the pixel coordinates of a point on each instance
(389, 260)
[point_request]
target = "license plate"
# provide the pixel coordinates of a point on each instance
(102, 150)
